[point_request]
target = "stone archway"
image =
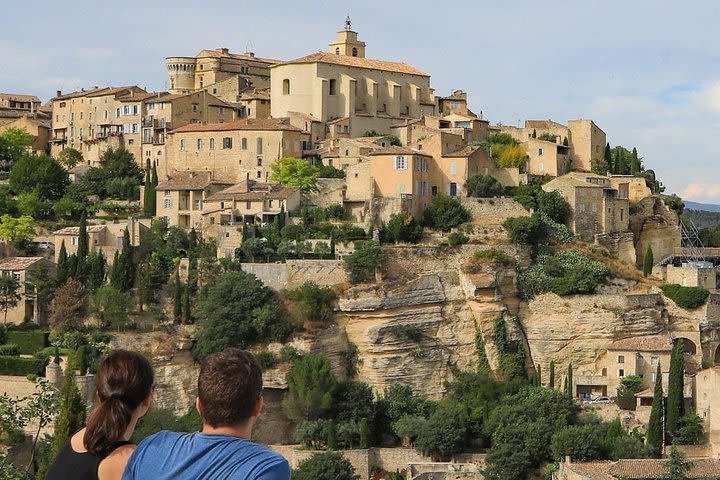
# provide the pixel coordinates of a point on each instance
(689, 347)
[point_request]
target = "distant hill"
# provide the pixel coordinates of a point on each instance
(706, 207)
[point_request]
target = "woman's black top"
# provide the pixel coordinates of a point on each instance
(70, 464)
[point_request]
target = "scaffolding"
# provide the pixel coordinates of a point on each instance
(693, 248)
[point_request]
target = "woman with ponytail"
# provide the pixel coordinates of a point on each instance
(101, 450)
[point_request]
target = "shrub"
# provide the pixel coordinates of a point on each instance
(554, 206)
(445, 213)
(325, 466)
(444, 434)
(402, 228)
(685, 297)
(316, 302)
(312, 433)
(691, 430)
(483, 186)
(362, 264)
(457, 238)
(9, 350)
(288, 353)
(626, 391)
(526, 230)
(28, 342)
(22, 367)
(266, 359)
(565, 273)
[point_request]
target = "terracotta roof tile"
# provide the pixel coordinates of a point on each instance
(347, 61)
(251, 190)
(18, 263)
(20, 98)
(592, 470)
(76, 230)
(395, 150)
(655, 469)
(218, 53)
(242, 124)
(660, 342)
(188, 180)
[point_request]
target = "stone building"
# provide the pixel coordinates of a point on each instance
(24, 103)
(547, 158)
(254, 103)
(634, 469)
(106, 237)
(215, 70)
(181, 197)
(37, 125)
(706, 404)
(597, 207)
(27, 308)
(234, 150)
(342, 85)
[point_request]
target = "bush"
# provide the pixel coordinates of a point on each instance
(325, 466)
(457, 238)
(312, 433)
(565, 273)
(266, 360)
(22, 367)
(402, 228)
(444, 434)
(626, 391)
(288, 353)
(28, 342)
(691, 430)
(483, 186)
(685, 297)
(526, 230)
(316, 303)
(362, 264)
(554, 206)
(580, 442)
(9, 350)
(445, 213)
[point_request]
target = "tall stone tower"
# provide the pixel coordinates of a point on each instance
(182, 74)
(347, 42)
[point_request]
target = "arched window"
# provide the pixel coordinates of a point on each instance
(333, 86)
(182, 144)
(286, 86)
(337, 50)
(212, 144)
(354, 52)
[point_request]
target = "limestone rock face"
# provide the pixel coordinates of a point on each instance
(176, 383)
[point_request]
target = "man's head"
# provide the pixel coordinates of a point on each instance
(229, 388)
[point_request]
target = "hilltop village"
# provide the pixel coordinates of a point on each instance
(478, 300)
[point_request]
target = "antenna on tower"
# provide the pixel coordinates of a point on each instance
(348, 23)
(249, 47)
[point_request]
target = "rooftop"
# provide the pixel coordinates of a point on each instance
(656, 469)
(395, 150)
(357, 62)
(263, 124)
(20, 98)
(189, 180)
(252, 190)
(18, 263)
(225, 53)
(76, 230)
(660, 342)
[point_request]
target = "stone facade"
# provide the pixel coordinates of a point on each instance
(294, 273)
(27, 308)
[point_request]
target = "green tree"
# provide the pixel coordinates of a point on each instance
(551, 381)
(655, 429)
(648, 261)
(607, 156)
(236, 310)
(253, 247)
(16, 229)
(14, 144)
(186, 310)
(599, 166)
(9, 294)
(70, 157)
(177, 296)
(83, 240)
(444, 434)
(111, 306)
(62, 265)
(331, 436)
(402, 227)
(152, 193)
(31, 205)
(295, 172)
(362, 264)
(146, 193)
(69, 306)
(677, 467)
(526, 230)
(310, 387)
(483, 186)
(635, 163)
(675, 399)
(581, 443)
(444, 213)
(554, 206)
(674, 203)
(569, 382)
(123, 272)
(41, 174)
(71, 414)
(316, 302)
(96, 265)
(325, 466)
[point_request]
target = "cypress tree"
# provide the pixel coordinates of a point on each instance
(96, 270)
(116, 274)
(146, 193)
(364, 433)
(83, 241)
(331, 441)
(539, 376)
(186, 314)
(332, 246)
(675, 403)
(655, 425)
(72, 266)
(551, 381)
(648, 261)
(177, 306)
(193, 272)
(153, 191)
(534, 134)
(126, 265)
(634, 162)
(569, 386)
(71, 413)
(608, 155)
(62, 265)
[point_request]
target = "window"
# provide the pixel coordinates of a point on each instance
(269, 203)
(258, 148)
(74, 241)
(227, 142)
(126, 110)
(540, 152)
(259, 162)
(333, 86)
(337, 50)
(621, 358)
(621, 373)
(168, 203)
(212, 144)
(453, 168)
(199, 143)
(194, 107)
(653, 360)
(400, 163)
(243, 144)
(135, 109)
(354, 52)
(622, 214)
(182, 144)
(433, 190)
(654, 377)
(62, 104)
(259, 174)
(286, 86)
(452, 189)
(16, 275)
(248, 205)
(81, 115)
(198, 204)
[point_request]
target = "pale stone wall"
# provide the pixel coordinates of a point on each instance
(691, 277)
(493, 211)
(294, 273)
(587, 142)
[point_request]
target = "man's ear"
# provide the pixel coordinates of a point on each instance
(198, 406)
(258, 406)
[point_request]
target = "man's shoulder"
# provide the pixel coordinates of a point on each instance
(161, 437)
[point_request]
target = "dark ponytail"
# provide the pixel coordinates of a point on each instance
(124, 379)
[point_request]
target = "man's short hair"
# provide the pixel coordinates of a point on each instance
(229, 386)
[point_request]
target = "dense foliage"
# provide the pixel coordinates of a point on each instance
(362, 264)
(445, 213)
(316, 303)
(401, 227)
(685, 297)
(310, 386)
(325, 466)
(483, 186)
(567, 272)
(295, 172)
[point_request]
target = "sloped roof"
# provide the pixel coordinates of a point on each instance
(20, 98)
(190, 180)
(76, 230)
(252, 190)
(654, 469)
(218, 53)
(395, 150)
(592, 470)
(464, 151)
(18, 263)
(242, 124)
(348, 61)
(660, 342)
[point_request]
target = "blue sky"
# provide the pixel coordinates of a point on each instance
(647, 72)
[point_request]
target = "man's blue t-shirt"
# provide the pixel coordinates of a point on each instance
(200, 456)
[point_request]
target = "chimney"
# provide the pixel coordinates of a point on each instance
(224, 51)
(58, 93)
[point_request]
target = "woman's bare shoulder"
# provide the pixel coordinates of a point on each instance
(113, 466)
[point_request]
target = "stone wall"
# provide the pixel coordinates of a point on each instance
(621, 245)
(493, 211)
(294, 273)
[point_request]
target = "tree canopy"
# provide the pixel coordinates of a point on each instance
(295, 172)
(41, 174)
